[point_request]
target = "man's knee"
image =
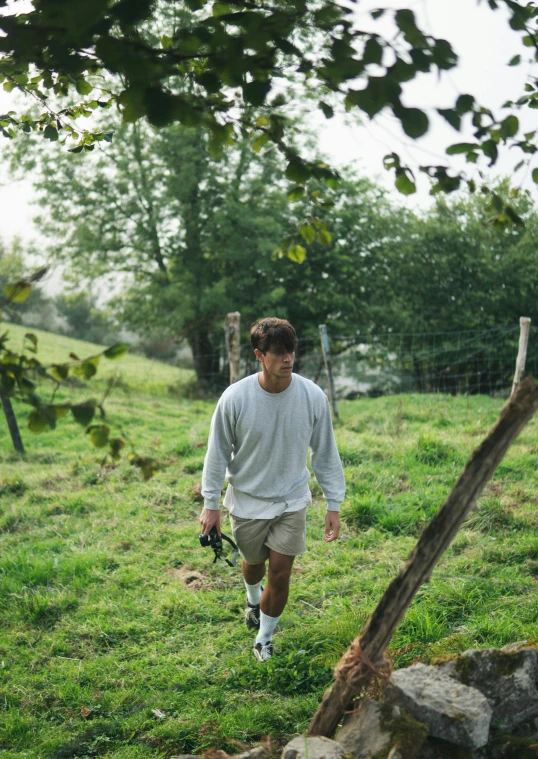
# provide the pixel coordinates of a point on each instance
(279, 576)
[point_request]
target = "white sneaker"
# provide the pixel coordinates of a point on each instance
(263, 651)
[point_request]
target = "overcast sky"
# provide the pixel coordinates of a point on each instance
(484, 43)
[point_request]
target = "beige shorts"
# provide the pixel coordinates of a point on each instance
(285, 534)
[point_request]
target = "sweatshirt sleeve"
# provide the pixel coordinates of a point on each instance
(326, 460)
(219, 454)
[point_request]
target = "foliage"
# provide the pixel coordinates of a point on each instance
(99, 628)
(22, 373)
(12, 265)
(190, 235)
(84, 320)
(220, 65)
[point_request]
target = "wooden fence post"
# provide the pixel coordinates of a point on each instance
(231, 330)
(328, 366)
(13, 427)
(364, 658)
(524, 329)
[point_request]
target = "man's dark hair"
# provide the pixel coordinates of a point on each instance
(272, 334)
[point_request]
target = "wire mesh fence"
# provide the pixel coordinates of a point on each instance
(373, 364)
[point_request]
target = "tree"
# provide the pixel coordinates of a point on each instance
(455, 271)
(84, 320)
(192, 236)
(206, 64)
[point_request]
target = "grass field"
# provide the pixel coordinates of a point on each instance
(99, 625)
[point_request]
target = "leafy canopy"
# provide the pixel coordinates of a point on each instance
(221, 64)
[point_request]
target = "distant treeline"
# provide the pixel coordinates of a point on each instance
(191, 236)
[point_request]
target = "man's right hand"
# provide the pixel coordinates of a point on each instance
(210, 518)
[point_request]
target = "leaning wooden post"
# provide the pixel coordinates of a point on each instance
(328, 366)
(524, 329)
(231, 330)
(364, 658)
(12, 425)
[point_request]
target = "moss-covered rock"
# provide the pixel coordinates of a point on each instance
(375, 730)
(507, 678)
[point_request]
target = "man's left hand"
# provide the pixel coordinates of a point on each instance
(332, 526)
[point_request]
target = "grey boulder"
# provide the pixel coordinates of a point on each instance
(507, 678)
(452, 711)
(381, 730)
(312, 747)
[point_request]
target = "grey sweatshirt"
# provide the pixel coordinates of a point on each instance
(261, 441)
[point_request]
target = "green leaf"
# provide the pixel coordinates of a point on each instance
(307, 232)
(464, 104)
(9, 86)
(404, 183)
(116, 444)
(60, 410)
(60, 371)
(452, 116)
(83, 86)
(37, 422)
(88, 368)
(50, 133)
(296, 253)
(515, 61)
(296, 193)
(535, 176)
(18, 292)
(259, 142)
(297, 171)
(7, 383)
(414, 121)
(256, 92)
(116, 351)
(166, 42)
(84, 412)
(31, 339)
(146, 464)
(328, 111)
(461, 147)
(373, 52)
(99, 434)
(325, 237)
(221, 9)
(510, 126)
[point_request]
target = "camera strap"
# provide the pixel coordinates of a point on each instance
(218, 551)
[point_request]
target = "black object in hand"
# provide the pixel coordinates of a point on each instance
(214, 540)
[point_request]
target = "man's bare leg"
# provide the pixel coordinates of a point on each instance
(276, 592)
(253, 573)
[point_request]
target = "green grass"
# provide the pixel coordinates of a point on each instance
(98, 628)
(132, 371)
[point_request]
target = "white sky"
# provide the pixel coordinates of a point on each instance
(484, 43)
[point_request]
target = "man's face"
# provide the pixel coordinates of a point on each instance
(278, 365)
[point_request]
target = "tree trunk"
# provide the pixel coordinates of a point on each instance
(13, 427)
(364, 658)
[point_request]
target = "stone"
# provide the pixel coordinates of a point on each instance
(258, 752)
(312, 747)
(452, 711)
(381, 730)
(507, 678)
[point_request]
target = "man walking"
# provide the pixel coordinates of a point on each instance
(260, 434)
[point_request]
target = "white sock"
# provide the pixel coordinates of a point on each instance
(254, 592)
(267, 628)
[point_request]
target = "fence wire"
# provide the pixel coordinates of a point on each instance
(374, 364)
